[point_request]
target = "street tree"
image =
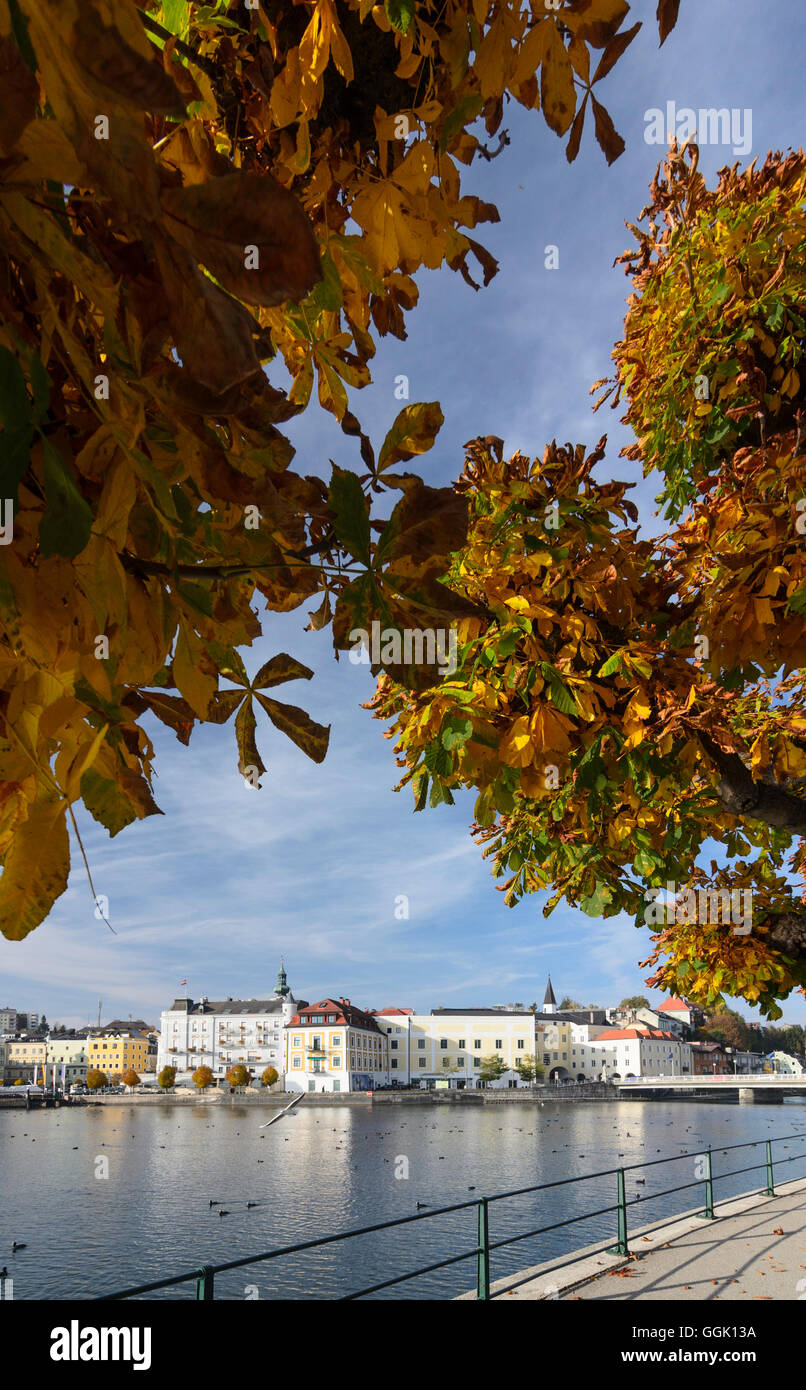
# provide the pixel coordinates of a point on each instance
(166, 1078)
(96, 1079)
(202, 1078)
(634, 699)
(529, 1068)
(130, 1078)
(492, 1067)
(270, 1076)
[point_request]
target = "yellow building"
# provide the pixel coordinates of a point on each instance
(115, 1053)
(333, 1046)
(445, 1049)
(24, 1056)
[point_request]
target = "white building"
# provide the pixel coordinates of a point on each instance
(221, 1033)
(785, 1064)
(633, 1052)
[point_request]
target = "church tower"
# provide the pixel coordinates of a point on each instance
(283, 992)
(549, 1002)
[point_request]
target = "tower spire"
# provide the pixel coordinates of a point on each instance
(281, 988)
(549, 1002)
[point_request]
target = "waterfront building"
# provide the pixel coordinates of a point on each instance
(24, 1055)
(333, 1046)
(643, 1052)
(69, 1056)
(222, 1033)
(748, 1063)
(784, 1063)
(444, 1049)
(114, 1053)
(708, 1058)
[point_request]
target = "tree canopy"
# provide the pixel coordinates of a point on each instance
(189, 192)
(633, 700)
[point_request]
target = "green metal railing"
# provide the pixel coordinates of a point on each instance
(204, 1277)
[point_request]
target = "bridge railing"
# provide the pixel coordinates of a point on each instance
(781, 1078)
(203, 1277)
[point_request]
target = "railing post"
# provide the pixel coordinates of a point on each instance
(708, 1214)
(621, 1248)
(483, 1272)
(770, 1184)
(205, 1283)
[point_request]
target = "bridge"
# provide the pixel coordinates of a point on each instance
(764, 1088)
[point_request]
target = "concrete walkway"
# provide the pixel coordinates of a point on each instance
(755, 1249)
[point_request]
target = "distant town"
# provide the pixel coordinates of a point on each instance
(288, 1044)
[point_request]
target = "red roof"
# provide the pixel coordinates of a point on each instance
(613, 1033)
(674, 1006)
(343, 1011)
(384, 1013)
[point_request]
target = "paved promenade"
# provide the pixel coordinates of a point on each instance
(755, 1249)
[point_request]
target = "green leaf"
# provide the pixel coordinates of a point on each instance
(797, 602)
(456, 730)
(560, 693)
(350, 513)
(599, 899)
(400, 13)
(609, 667)
(65, 526)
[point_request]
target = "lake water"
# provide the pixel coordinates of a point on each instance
(334, 1168)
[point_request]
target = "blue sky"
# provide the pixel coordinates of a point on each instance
(311, 866)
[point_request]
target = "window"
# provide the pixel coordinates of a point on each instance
(461, 1042)
(336, 1085)
(443, 1042)
(316, 1018)
(297, 1041)
(476, 1061)
(520, 1044)
(394, 1064)
(421, 1061)
(337, 1060)
(421, 1044)
(393, 1045)
(331, 1018)
(335, 1041)
(498, 1044)
(296, 1063)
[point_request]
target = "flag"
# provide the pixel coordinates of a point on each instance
(183, 982)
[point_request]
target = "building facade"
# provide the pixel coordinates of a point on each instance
(114, 1053)
(333, 1046)
(69, 1056)
(446, 1048)
(637, 1052)
(223, 1033)
(24, 1057)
